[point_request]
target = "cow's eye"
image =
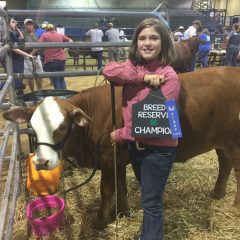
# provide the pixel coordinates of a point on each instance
(63, 126)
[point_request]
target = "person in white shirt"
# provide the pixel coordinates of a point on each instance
(192, 30)
(60, 29)
(178, 35)
(123, 50)
(113, 36)
(189, 33)
(96, 35)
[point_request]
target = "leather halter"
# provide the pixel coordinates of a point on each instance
(58, 146)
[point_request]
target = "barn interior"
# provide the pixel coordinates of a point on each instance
(76, 17)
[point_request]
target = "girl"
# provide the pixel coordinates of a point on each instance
(151, 52)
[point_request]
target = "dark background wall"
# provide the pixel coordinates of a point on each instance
(100, 4)
(17, 4)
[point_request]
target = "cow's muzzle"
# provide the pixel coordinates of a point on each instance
(43, 165)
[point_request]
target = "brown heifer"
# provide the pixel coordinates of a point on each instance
(186, 49)
(209, 114)
(76, 52)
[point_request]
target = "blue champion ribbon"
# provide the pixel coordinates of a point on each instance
(173, 118)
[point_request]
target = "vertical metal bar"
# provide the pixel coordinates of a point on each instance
(7, 191)
(4, 145)
(114, 157)
(5, 89)
(16, 184)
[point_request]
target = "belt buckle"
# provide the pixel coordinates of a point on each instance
(138, 147)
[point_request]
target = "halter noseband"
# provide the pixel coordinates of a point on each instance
(58, 146)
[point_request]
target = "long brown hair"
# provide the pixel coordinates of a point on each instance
(168, 52)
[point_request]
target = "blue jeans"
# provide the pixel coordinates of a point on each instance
(56, 66)
(97, 55)
(193, 62)
(203, 58)
(231, 57)
(18, 67)
(152, 167)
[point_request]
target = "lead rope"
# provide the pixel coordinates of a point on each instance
(115, 159)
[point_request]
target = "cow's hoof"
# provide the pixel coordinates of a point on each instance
(121, 213)
(236, 204)
(218, 195)
(124, 214)
(99, 225)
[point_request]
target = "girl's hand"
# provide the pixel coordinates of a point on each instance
(154, 80)
(113, 138)
(31, 56)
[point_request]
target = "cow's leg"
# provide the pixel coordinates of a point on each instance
(225, 168)
(105, 211)
(107, 191)
(234, 155)
(122, 199)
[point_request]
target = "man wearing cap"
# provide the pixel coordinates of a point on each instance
(113, 36)
(192, 30)
(178, 35)
(29, 65)
(189, 33)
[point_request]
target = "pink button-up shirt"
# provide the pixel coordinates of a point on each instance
(134, 90)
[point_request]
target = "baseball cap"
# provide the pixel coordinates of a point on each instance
(197, 22)
(110, 24)
(181, 27)
(44, 25)
(27, 20)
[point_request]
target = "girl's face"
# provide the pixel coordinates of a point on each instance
(13, 23)
(149, 44)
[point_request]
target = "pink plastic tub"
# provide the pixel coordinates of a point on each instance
(42, 226)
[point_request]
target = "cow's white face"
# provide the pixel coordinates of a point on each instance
(46, 119)
(51, 121)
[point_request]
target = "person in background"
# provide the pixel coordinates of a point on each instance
(113, 36)
(178, 35)
(39, 32)
(41, 29)
(189, 33)
(151, 52)
(55, 58)
(121, 33)
(224, 31)
(192, 30)
(233, 45)
(123, 50)
(60, 29)
(204, 49)
(15, 35)
(96, 36)
(31, 65)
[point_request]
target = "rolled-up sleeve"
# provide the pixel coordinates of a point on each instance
(123, 73)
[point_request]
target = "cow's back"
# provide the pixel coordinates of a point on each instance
(209, 106)
(209, 112)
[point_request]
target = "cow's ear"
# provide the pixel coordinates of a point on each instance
(19, 114)
(80, 117)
